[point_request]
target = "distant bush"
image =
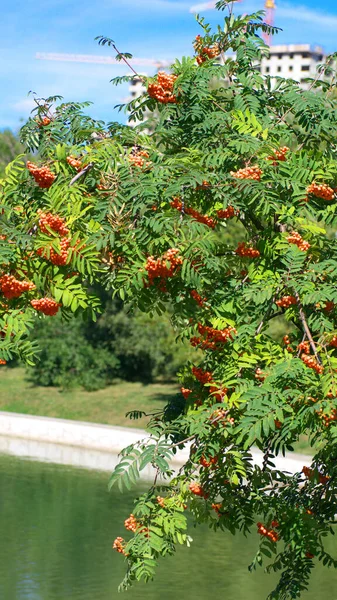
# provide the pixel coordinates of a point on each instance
(68, 359)
(119, 345)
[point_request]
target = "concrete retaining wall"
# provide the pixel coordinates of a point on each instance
(90, 445)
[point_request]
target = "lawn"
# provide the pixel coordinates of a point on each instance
(104, 406)
(107, 406)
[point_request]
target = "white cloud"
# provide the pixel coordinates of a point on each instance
(202, 7)
(157, 5)
(304, 14)
(24, 106)
(285, 11)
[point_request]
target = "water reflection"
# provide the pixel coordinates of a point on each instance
(57, 527)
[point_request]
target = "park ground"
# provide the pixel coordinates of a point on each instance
(107, 406)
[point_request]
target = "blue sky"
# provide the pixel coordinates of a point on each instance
(156, 29)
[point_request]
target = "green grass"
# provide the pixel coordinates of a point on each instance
(107, 406)
(104, 406)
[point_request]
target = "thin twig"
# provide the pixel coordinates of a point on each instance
(266, 316)
(81, 173)
(127, 62)
(306, 327)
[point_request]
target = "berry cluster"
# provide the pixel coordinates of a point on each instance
(131, 523)
(186, 392)
(197, 490)
(201, 375)
(304, 347)
(208, 463)
(74, 162)
(176, 203)
(162, 89)
(3, 361)
(47, 306)
(286, 301)
(13, 288)
(286, 341)
(43, 122)
(205, 184)
(327, 419)
(227, 213)
(312, 363)
(157, 267)
(119, 545)
(218, 393)
(279, 155)
(309, 361)
(220, 415)
(269, 533)
(138, 159)
(199, 300)
(57, 258)
(253, 172)
(296, 238)
(243, 250)
(48, 221)
(311, 473)
(217, 507)
(259, 374)
(205, 52)
(213, 336)
(333, 342)
(161, 501)
(321, 190)
(42, 175)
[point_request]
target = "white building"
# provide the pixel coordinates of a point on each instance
(136, 87)
(293, 61)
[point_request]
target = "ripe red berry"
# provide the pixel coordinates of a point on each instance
(253, 172)
(321, 190)
(13, 288)
(47, 306)
(42, 175)
(162, 88)
(243, 250)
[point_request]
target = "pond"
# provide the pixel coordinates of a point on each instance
(58, 524)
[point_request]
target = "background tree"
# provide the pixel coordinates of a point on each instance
(120, 345)
(142, 215)
(10, 147)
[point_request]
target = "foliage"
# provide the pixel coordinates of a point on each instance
(67, 359)
(119, 345)
(142, 216)
(9, 148)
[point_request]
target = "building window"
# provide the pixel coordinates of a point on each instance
(280, 56)
(279, 69)
(291, 68)
(267, 69)
(303, 81)
(291, 56)
(305, 54)
(319, 57)
(305, 68)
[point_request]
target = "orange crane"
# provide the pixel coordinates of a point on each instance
(149, 62)
(270, 12)
(102, 60)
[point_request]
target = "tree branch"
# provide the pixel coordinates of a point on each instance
(81, 173)
(306, 327)
(267, 315)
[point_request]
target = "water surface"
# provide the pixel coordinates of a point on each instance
(57, 525)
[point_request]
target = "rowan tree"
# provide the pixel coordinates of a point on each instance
(146, 216)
